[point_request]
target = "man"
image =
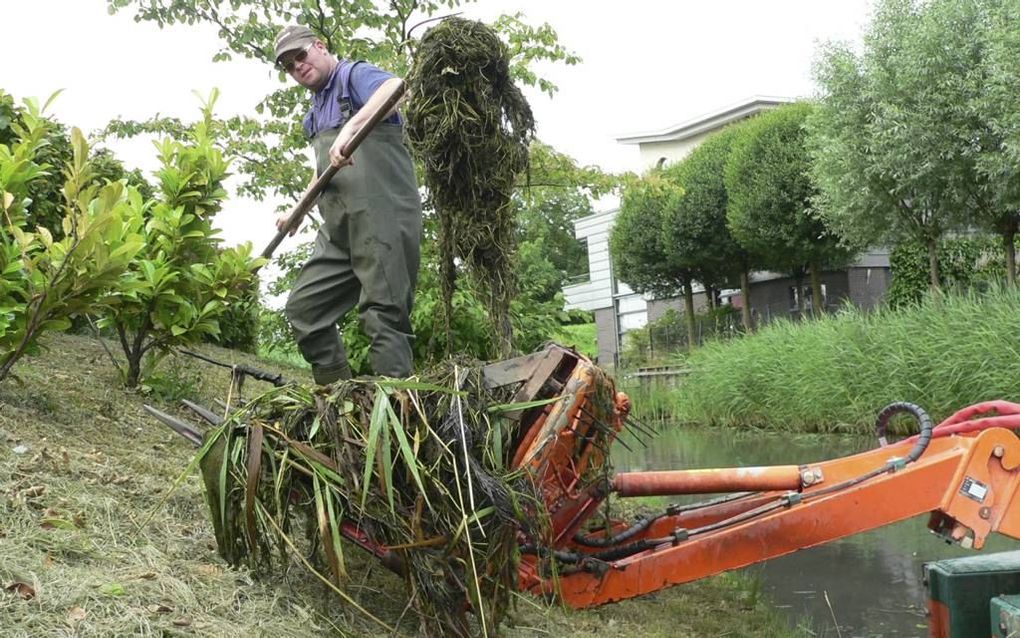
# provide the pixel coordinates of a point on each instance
(367, 250)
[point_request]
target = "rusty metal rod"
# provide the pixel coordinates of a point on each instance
(717, 481)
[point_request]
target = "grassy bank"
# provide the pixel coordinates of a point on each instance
(834, 374)
(81, 467)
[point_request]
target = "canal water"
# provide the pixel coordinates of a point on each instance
(872, 581)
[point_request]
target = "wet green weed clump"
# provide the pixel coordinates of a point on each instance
(470, 126)
(420, 468)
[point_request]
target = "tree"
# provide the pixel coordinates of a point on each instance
(907, 139)
(47, 208)
(44, 281)
(270, 148)
(181, 283)
(637, 242)
(771, 208)
(994, 108)
(556, 194)
(696, 231)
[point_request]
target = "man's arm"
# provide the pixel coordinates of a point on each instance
(336, 157)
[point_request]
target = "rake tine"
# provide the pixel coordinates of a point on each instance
(599, 425)
(223, 404)
(639, 425)
(639, 432)
(642, 437)
(180, 427)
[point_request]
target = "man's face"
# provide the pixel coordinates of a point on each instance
(309, 67)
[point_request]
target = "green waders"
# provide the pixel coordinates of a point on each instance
(366, 255)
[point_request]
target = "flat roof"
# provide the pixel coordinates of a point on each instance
(708, 121)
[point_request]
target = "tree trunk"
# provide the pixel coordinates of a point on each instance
(1009, 238)
(933, 266)
(817, 300)
(710, 296)
(500, 311)
(798, 280)
(134, 372)
(35, 320)
(134, 349)
(689, 315)
(745, 293)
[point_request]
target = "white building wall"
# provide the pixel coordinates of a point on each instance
(600, 294)
(597, 292)
(674, 151)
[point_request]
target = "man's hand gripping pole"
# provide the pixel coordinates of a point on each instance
(315, 188)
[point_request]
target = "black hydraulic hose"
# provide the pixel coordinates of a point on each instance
(881, 423)
(761, 510)
(605, 541)
(646, 521)
(923, 421)
(545, 552)
(675, 508)
(616, 553)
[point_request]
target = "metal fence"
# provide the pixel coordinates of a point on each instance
(662, 340)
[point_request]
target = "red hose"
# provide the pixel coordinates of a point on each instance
(962, 421)
(1002, 407)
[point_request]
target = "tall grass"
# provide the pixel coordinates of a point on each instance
(835, 373)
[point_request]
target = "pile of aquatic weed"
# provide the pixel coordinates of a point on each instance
(470, 126)
(837, 372)
(417, 467)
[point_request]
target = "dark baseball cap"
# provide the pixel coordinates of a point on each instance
(293, 38)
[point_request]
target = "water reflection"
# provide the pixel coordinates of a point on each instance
(872, 580)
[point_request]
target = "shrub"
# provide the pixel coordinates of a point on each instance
(45, 281)
(182, 284)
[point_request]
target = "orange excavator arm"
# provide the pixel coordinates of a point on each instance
(964, 473)
(968, 483)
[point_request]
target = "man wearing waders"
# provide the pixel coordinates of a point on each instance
(367, 249)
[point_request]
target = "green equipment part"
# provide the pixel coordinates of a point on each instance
(960, 591)
(1005, 617)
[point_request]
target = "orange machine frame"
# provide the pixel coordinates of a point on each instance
(966, 478)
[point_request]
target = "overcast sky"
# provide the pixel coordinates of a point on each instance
(647, 64)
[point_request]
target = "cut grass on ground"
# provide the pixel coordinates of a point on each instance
(82, 467)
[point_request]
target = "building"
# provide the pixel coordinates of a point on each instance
(618, 309)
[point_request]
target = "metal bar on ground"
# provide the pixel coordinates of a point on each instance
(180, 427)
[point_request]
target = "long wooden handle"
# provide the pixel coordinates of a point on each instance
(315, 188)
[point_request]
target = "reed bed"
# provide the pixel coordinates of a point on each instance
(835, 373)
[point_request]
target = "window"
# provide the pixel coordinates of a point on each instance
(580, 269)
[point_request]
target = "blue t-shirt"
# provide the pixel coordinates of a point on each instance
(362, 81)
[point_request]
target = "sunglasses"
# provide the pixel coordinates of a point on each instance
(289, 64)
